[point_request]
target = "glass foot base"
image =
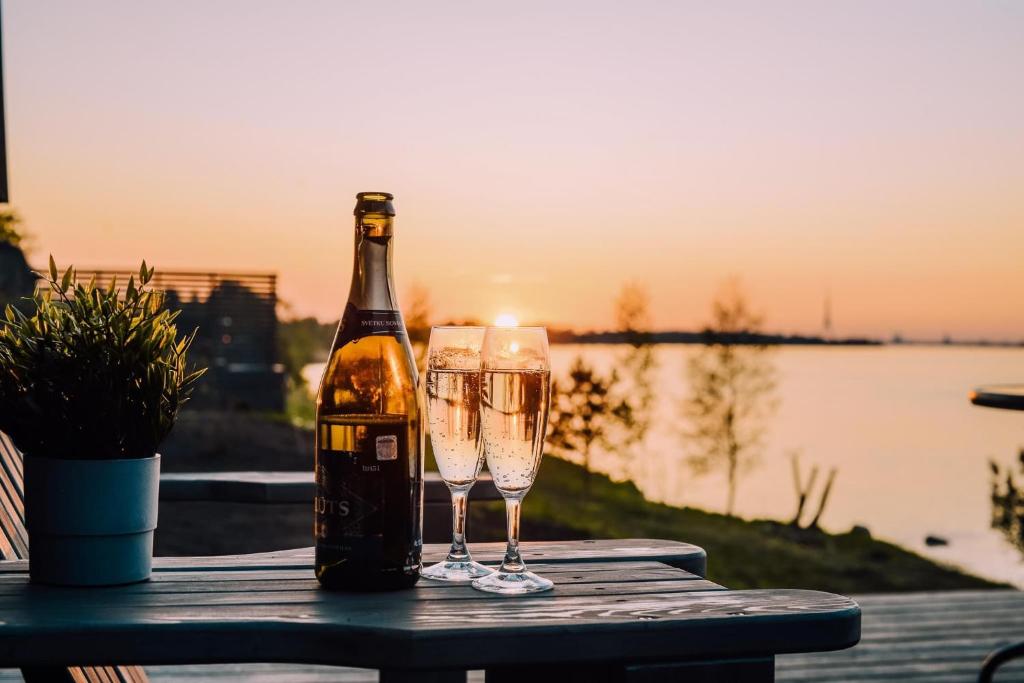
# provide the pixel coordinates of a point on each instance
(456, 572)
(513, 583)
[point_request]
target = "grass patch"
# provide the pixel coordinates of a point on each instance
(741, 553)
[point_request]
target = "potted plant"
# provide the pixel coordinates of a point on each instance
(91, 381)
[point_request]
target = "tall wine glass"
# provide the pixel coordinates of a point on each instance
(453, 413)
(514, 417)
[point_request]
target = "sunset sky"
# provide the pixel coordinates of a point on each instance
(542, 153)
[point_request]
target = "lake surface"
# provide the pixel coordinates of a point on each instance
(912, 453)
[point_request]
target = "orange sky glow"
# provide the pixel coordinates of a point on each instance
(542, 154)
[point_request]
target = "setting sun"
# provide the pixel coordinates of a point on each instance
(506, 320)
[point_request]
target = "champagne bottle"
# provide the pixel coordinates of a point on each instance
(369, 442)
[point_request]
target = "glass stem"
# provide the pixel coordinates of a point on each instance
(458, 551)
(513, 562)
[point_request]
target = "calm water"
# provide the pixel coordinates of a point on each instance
(911, 451)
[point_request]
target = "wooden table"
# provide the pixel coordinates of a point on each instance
(634, 614)
(1005, 396)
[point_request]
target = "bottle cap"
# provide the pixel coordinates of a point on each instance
(374, 202)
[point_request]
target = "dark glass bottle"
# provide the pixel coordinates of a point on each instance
(369, 443)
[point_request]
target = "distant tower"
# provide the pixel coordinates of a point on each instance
(826, 318)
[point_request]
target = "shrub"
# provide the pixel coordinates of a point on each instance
(92, 373)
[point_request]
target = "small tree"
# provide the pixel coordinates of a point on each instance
(732, 386)
(10, 233)
(301, 341)
(639, 366)
(1008, 503)
(17, 281)
(585, 411)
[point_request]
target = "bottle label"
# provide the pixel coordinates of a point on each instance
(358, 323)
(358, 470)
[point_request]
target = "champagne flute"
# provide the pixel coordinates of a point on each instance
(453, 413)
(514, 397)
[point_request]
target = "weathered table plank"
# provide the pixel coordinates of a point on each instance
(896, 647)
(683, 556)
(298, 586)
(169, 580)
(600, 612)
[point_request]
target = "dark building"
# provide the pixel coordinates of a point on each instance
(17, 280)
(236, 318)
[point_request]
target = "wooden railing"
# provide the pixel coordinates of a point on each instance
(236, 315)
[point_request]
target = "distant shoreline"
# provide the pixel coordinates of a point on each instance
(568, 337)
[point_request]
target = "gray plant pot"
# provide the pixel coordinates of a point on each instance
(91, 522)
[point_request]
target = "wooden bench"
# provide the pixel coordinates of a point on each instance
(287, 487)
(297, 488)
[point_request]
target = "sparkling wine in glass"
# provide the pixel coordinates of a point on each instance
(453, 413)
(514, 401)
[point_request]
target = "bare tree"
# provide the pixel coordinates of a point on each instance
(732, 388)
(632, 311)
(823, 500)
(804, 489)
(417, 317)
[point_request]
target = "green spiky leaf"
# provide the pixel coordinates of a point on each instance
(65, 282)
